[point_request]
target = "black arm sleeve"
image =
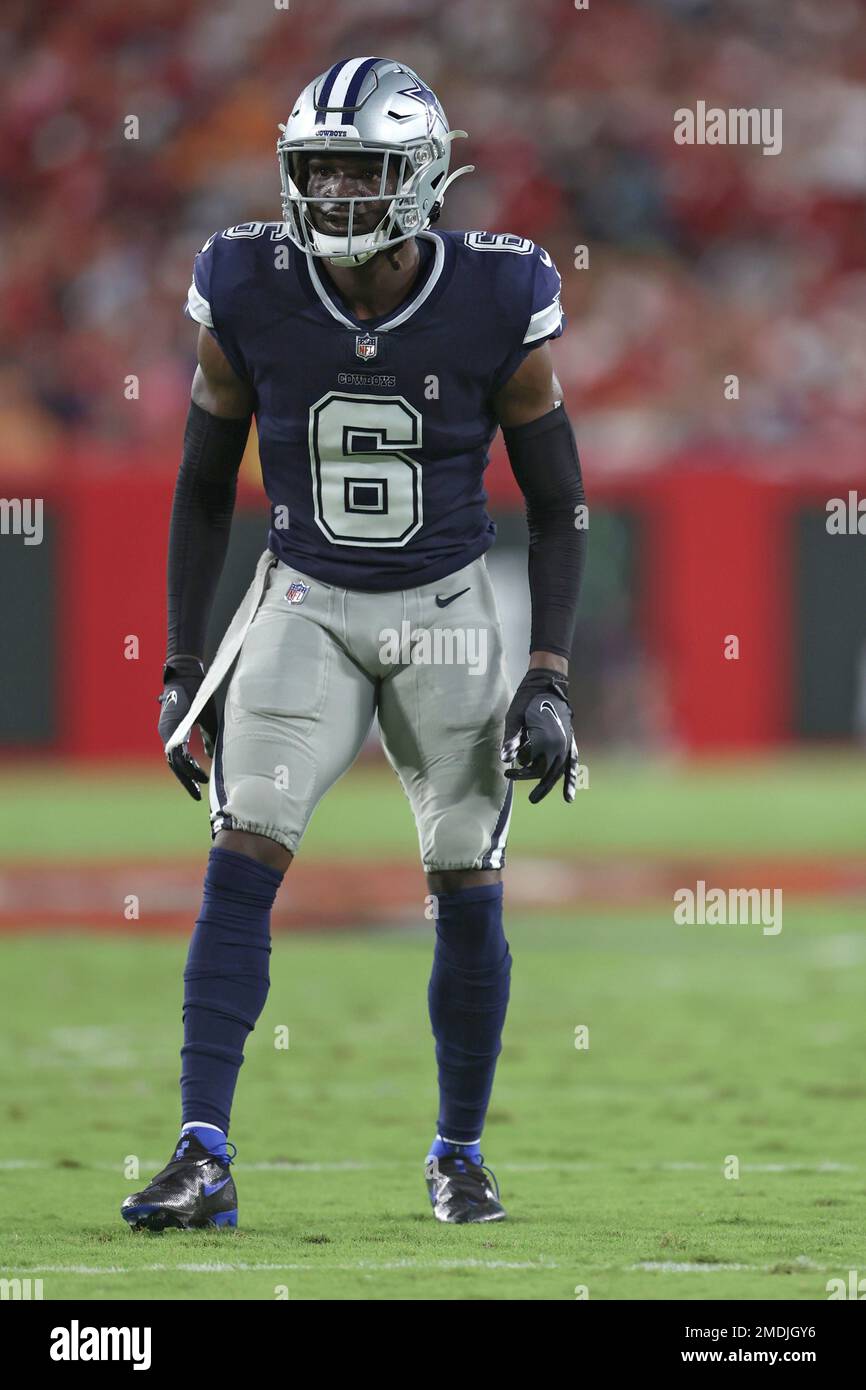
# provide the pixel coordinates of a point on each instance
(543, 456)
(201, 518)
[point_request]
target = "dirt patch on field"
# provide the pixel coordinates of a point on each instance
(328, 895)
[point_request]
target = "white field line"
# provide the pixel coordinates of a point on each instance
(826, 1167)
(673, 1267)
(677, 1267)
(386, 1266)
(351, 1166)
(231, 1267)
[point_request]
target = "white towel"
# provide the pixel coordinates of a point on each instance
(229, 647)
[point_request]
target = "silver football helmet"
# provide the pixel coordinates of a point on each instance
(374, 106)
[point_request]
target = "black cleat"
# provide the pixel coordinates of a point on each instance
(194, 1190)
(460, 1191)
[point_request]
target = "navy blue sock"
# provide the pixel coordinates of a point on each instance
(468, 998)
(225, 981)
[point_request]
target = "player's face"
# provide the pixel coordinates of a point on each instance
(348, 175)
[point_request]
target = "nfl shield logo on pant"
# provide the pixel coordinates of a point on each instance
(297, 591)
(366, 345)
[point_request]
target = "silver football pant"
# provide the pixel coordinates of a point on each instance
(317, 662)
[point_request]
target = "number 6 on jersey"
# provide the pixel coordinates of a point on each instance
(366, 490)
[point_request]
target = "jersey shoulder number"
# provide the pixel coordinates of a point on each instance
(498, 241)
(526, 276)
(200, 297)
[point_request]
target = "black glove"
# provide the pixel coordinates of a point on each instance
(182, 677)
(538, 734)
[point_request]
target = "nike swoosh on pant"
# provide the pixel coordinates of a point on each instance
(444, 602)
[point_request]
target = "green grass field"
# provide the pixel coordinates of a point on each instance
(704, 1043)
(803, 804)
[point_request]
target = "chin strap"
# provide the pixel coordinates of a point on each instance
(355, 260)
(321, 239)
(466, 169)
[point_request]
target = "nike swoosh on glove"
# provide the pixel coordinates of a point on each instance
(182, 677)
(539, 736)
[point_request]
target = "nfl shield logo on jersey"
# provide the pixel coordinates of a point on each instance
(366, 345)
(297, 591)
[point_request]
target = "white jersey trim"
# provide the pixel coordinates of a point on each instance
(438, 263)
(544, 322)
(199, 309)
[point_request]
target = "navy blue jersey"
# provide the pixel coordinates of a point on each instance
(374, 434)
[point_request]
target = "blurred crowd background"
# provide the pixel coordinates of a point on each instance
(683, 265)
(703, 261)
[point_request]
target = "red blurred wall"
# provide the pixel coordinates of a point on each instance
(715, 560)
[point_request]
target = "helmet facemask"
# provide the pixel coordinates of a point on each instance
(400, 220)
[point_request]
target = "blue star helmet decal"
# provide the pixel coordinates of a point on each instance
(418, 92)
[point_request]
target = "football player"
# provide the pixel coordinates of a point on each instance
(379, 358)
